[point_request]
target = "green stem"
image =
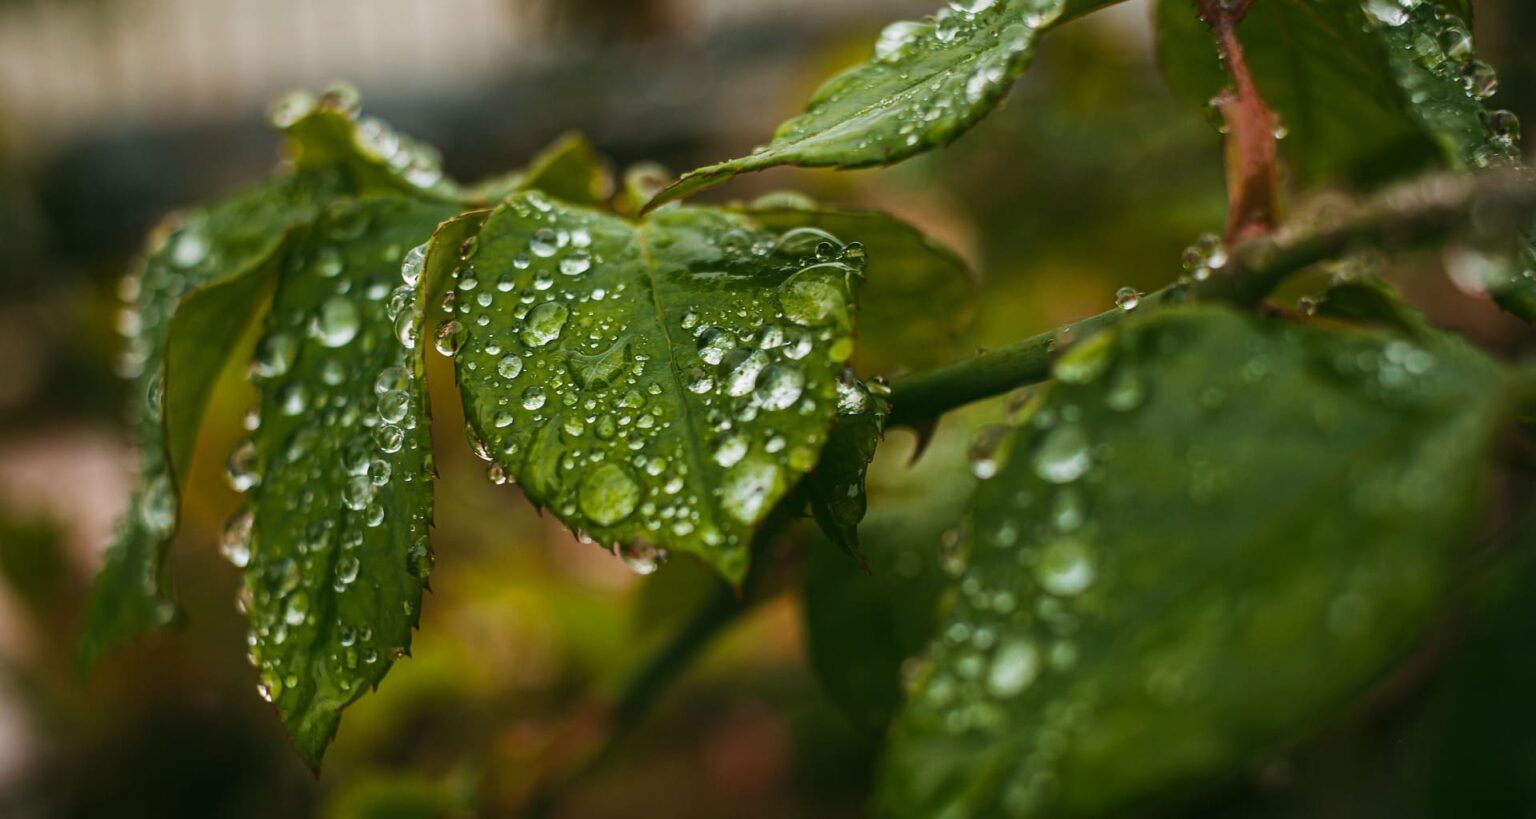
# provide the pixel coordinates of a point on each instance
(1423, 213)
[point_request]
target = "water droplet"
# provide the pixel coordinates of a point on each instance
(811, 302)
(740, 368)
(576, 264)
(1063, 456)
(748, 486)
(544, 324)
(337, 322)
(546, 242)
(987, 451)
(510, 367)
(241, 467)
(780, 386)
(608, 494)
(1015, 665)
(642, 558)
(190, 247)
(328, 263)
(405, 330)
(394, 405)
(235, 541)
(1066, 567)
(389, 437)
(274, 355)
(410, 266)
(419, 559)
(1127, 298)
(897, 39)
(533, 398)
(450, 337)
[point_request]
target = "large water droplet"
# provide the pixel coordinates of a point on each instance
(337, 322)
(1066, 567)
(608, 494)
(1063, 455)
(1015, 665)
(747, 488)
(780, 386)
(544, 324)
(811, 302)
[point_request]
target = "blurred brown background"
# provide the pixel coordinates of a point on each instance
(113, 112)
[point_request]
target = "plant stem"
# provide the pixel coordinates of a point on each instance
(1419, 214)
(1253, 187)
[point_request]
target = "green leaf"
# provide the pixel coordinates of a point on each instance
(1211, 530)
(1372, 301)
(217, 259)
(1476, 745)
(330, 132)
(1320, 69)
(1366, 90)
(919, 296)
(1512, 285)
(862, 624)
(569, 169)
(835, 490)
(210, 275)
(927, 83)
(661, 383)
(334, 542)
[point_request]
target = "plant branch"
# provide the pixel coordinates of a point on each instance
(1422, 213)
(1252, 149)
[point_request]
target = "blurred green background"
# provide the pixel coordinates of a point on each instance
(113, 112)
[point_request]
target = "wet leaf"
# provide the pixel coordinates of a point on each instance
(227, 249)
(918, 298)
(864, 623)
(330, 132)
(927, 83)
(334, 543)
(1366, 91)
(569, 169)
(209, 276)
(835, 490)
(1321, 69)
(1211, 531)
(658, 385)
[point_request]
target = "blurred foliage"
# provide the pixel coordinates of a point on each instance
(1092, 176)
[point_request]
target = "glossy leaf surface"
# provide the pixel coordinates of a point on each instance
(334, 542)
(919, 295)
(1211, 530)
(926, 84)
(659, 385)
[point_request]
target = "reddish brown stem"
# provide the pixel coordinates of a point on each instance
(1252, 148)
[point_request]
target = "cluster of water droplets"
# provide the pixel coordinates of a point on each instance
(419, 164)
(1438, 43)
(181, 258)
(988, 40)
(334, 454)
(608, 418)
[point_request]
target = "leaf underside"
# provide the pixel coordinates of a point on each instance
(659, 384)
(926, 84)
(226, 249)
(862, 623)
(1211, 529)
(835, 491)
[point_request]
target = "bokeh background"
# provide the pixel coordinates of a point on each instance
(114, 112)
